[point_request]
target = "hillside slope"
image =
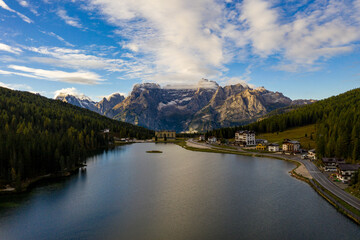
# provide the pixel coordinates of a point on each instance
(337, 122)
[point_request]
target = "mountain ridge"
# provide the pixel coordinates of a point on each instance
(199, 107)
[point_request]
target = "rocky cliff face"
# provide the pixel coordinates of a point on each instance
(200, 107)
(107, 104)
(207, 107)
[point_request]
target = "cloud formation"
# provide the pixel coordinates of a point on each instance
(76, 59)
(22, 16)
(79, 77)
(15, 86)
(7, 48)
(69, 20)
(183, 40)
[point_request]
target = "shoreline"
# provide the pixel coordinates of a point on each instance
(30, 183)
(339, 204)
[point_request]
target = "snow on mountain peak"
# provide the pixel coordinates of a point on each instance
(65, 92)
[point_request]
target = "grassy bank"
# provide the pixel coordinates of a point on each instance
(305, 135)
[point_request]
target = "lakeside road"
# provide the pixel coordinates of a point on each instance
(315, 173)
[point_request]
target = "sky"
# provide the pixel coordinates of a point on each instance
(304, 49)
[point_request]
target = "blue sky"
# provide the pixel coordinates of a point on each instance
(304, 49)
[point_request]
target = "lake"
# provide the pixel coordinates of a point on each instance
(127, 193)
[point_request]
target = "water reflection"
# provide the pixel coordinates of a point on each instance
(127, 193)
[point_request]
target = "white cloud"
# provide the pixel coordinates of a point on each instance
(15, 86)
(59, 38)
(319, 32)
(6, 7)
(68, 91)
(77, 59)
(23, 3)
(7, 48)
(2, 72)
(69, 20)
(80, 77)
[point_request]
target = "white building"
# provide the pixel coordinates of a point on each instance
(212, 139)
(311, 154)
(246, 138)
(202, 138)
(273, 147)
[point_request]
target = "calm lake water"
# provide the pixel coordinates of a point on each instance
(127, 193)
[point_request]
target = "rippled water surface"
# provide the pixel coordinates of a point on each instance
(127, 193)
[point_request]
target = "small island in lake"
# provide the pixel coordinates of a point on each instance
(154, 151)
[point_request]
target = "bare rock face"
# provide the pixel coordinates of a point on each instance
(108, 103)
(199, 107)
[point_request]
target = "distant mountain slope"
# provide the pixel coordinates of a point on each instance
(79, 101)
(102, 107)
(200, 107)
(40, 136)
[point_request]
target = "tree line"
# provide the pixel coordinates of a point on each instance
(40, 136)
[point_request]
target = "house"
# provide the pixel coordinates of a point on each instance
(261, 147)
(212, 139)
(311, 154)
(290, 146)
(245, 138)
(273, 147)
(330, 164)
(106, 130)
(165, 135)
(262, 141)
(346, 171)
(202, 138)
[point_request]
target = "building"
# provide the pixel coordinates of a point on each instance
(261, 147)
(212, 139)
(165, 135)
(290, 146)
(273, 147)
(202, 138)
(330, 164)
(245, 138)
(311, 154)
(346, 171)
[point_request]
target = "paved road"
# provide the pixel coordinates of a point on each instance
(326, 183)
(317, 175)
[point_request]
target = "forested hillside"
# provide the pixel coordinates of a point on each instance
(337, 125)
(40, 136)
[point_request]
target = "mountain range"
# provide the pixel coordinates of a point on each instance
(200, 107)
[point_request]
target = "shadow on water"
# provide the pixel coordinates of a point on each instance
(9, 202)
